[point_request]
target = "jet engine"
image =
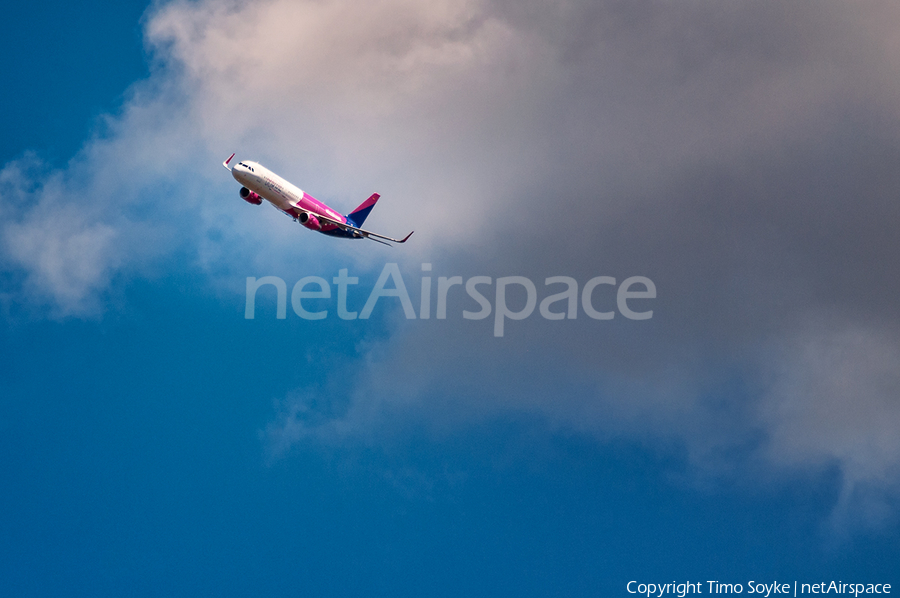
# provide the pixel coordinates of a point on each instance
(309, 221)
(250, 197)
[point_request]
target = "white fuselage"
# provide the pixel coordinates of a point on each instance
(279, 192)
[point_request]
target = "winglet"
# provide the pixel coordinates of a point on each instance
(406, 237)
(226, 163)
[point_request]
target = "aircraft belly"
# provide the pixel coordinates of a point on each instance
(276, 200)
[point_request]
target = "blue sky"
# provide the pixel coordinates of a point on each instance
(67, 64)
(157, 442)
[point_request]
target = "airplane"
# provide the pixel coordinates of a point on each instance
(259, 183)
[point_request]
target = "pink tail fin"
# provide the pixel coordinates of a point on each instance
(359, 215)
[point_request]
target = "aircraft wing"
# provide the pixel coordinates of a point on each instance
(362, 232)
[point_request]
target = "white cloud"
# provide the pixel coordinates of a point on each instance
(67, 260)
(835, 401)
(67, 257)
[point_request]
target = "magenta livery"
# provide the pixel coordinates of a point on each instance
(259, 183)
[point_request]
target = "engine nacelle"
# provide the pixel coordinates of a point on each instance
(250, 197)
(309, 221)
